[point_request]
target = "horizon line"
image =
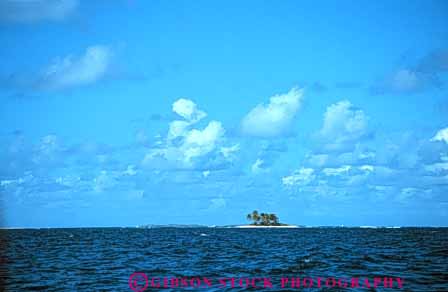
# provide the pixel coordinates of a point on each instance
(227, 225)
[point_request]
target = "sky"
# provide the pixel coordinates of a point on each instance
(123, 113)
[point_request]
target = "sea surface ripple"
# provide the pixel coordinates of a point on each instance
(102, 259)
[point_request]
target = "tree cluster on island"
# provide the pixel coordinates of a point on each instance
(263, 219)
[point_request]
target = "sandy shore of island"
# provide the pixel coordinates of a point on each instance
(261, 226)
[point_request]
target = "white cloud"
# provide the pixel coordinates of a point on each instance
(68, 180)
(198, 143)
(188, 110)
(343, 124)
(300, 177)
(194, 144)
(354, 155)
(6, 182)
(227, 152)
(36, 10)
(70, 71)
(441, 135)
(130, 171)
(257, 166)
(367, 168)
(367, 155)
(273, 119)
(28, 177)
(337, 171)
(206, 173)
(177, 129)
(187, 146)
(437, 167)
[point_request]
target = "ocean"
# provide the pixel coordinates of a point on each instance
(207, 259)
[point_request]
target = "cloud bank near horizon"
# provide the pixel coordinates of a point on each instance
(343, 165)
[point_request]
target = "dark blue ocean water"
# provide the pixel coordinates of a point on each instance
(102, 259)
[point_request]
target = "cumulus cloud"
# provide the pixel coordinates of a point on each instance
(300, 177)
(178, 129)
(194, 144)
(399, 161)
(185, 145)
(441, 135)
(229, 152)
(36, 10)
(73, 71)
(356, 157)
(188, 110)
(273, 119)
(336, 171)
(200, 142)
(343, 125)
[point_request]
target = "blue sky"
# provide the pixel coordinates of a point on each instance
(120, 113)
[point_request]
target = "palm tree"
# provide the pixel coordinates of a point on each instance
(255, 217)
(274, 219)
(264, 218)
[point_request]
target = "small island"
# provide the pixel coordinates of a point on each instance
(265, 220)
